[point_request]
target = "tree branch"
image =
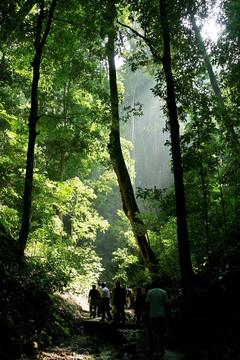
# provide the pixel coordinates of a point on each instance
(145, 38)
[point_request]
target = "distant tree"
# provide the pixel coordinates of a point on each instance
(223, 114)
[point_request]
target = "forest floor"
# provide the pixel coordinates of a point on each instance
(105, 341)
(79, 348)
(98, 344)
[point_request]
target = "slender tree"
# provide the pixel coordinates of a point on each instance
(40, 41)
(184, 251)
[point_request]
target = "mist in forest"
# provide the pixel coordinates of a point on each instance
(152, 157)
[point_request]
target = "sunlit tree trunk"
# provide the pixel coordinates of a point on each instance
(133, 86)
(128, 198)
(39, 44)
(63, 152)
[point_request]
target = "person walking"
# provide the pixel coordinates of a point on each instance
(93, 297)
(146, 318)
(119, 301)
(159, 312)
(105, 303)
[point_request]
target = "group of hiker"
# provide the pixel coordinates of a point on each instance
(151, 307)
(104, 302)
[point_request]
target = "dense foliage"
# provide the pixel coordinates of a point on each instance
(78, 233)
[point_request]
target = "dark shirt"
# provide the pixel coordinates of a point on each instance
(119, 296)
(93, 294)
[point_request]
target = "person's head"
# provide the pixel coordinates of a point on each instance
(118, 284)
(99, 283)
(156, 283)
(104, 284)
(94, 286)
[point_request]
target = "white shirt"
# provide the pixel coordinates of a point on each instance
(105, 293)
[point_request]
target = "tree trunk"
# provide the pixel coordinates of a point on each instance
(60, 215)
(63, 151)
(133, 86)
(205, 207)
(222, 202)
(128, 198)
(39, 43)
(183, 243)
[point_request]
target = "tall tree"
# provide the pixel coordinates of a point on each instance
(40, 41)
(184, 251)
(151, 16)
(128, 198)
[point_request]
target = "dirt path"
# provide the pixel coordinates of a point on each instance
(90, 348)
(102, 341)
